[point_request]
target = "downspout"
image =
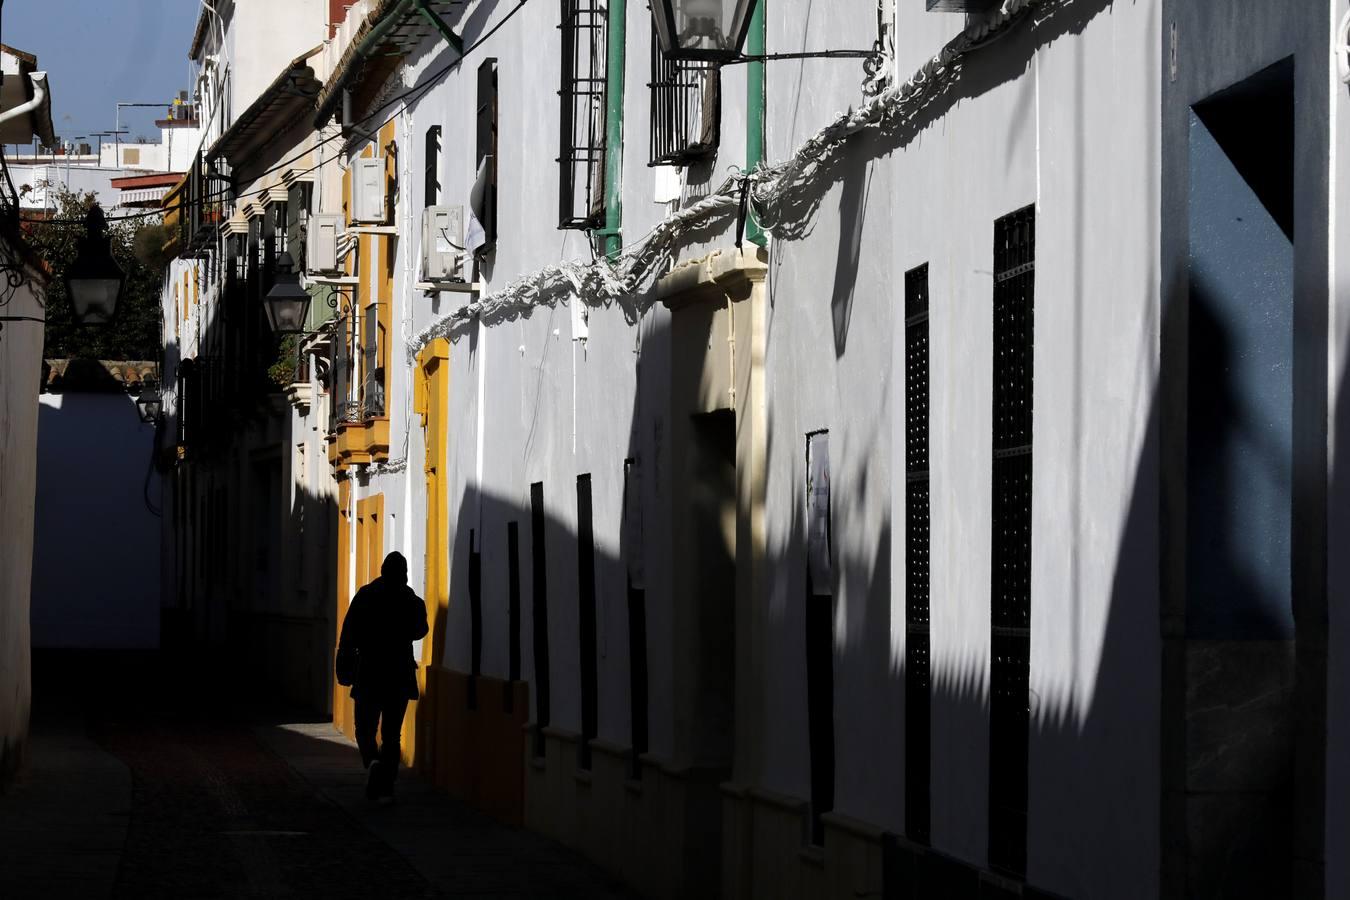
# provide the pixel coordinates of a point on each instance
(616, 29)
(754, 105)
(755, 46)
(39, 82)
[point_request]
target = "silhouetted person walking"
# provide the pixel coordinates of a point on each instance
(375, 658)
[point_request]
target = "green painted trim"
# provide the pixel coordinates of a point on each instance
(439, 24)
(755, 44)
(614, 71)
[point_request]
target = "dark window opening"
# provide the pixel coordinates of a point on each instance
(918, 686)
(581, 154)
(586, 620)
(475, 618)
(686, 109)
(513, 600)
(539, 614)
(637, 644)
(484, 195)
(819, 673)
(1010, 600)
(372, 387)
(431, 189)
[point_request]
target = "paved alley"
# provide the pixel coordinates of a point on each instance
(124, 801)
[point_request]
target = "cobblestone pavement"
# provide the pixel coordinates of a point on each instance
(131, 799)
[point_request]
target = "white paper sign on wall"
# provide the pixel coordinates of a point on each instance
(818, 513)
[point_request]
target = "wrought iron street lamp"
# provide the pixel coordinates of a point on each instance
(95, 280)
(704, 30)
(148, 404)
(714, 31)
(287, 301)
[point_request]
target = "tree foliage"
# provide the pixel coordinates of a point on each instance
(134, 332)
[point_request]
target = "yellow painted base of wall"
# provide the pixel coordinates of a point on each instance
(471, 739)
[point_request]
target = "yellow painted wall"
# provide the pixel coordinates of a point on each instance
(431, 400)
(342, 701)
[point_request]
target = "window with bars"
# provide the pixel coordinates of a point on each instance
(431, 161)
(372, 385)
(918, 684)
(342, 374)
(484, 196)
(686, 109)
(581, 153)
(1010, 600)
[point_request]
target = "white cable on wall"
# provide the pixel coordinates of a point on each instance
(601, 282)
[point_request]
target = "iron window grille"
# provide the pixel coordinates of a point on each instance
(918, 683)
(1010, 600)
(581, 156)
(342, 374)
(486, 157)
(372, 385)
(686, 109)
(431, 189)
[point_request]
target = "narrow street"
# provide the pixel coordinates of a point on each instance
(147, 790)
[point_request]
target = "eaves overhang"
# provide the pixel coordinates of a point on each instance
(393, 29)
(290, 95)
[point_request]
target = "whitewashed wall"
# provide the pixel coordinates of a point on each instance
(1064, 116)
(20, 375)
(96, 546)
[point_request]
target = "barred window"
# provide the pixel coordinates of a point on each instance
(685, 109)
(1010, 594)
(581, 156)
(372, 385)
(918, 697)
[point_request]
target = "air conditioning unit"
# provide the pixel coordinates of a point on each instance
(368, 191)
(321, 239)
(442, 242)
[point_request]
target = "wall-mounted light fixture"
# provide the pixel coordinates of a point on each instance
(714, 31)
(94, 279)
(287, 302)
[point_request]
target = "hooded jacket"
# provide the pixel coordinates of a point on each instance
(384, 618)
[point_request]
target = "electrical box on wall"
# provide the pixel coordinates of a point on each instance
(321, 239)
(442, 242)
(368, 190)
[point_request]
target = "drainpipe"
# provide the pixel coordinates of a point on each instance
(614, 63)
(39, 82)
(754, 107)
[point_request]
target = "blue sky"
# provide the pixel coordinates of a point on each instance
(99, 52)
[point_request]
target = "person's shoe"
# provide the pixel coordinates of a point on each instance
(373, 781)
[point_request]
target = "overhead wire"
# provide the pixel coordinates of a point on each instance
(411, 94)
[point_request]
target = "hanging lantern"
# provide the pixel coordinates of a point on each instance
(148, 404)
(94, 280)
(287, 302)
(704, 30)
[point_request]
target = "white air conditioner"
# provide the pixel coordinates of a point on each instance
(368, 190)
(321, 240)
(442, 242)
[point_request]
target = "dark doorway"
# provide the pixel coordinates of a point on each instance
(712, 498)
(1239, 467)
